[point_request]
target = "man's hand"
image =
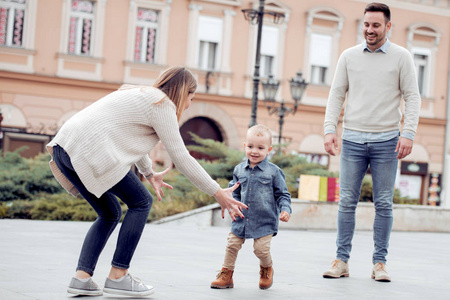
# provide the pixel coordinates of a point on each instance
(284, 216)
(330, 143)
(404, 147)
(157, 183)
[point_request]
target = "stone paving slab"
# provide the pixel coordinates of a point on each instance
(38, 258)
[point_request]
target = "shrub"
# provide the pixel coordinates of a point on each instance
(37, 195)
(19, 209)
(21, 178)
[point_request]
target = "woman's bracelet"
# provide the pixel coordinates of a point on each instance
(148, 176)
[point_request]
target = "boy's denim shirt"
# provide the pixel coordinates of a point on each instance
(263, 189)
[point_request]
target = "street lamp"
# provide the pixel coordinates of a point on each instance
(256, 17)
(270, 87)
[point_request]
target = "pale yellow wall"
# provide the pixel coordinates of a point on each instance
(114, 43)
(48, 32)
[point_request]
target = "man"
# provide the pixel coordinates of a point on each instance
(374, 76)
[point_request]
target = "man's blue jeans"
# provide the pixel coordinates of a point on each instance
(133, 193)
(355, 159)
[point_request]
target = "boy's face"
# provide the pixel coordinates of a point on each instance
(256, 148)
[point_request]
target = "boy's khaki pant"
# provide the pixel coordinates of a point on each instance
(261, 248)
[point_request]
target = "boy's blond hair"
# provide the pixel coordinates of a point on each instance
(261, 130)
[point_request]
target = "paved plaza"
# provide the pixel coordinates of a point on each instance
(38, 258)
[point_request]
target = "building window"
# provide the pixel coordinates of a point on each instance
(320, 58)
(323, 33)
(423, 42)
(207, 55)
(81, 27)
(147, 39)
(266, 65)
(421, 61)
(209, 42)
(12, 18)
(421, 58)
(269, 44)
(146, 32)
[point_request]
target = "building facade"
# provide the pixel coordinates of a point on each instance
(59, 56)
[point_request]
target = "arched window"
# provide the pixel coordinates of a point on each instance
(423, 42)
(323, 31)
(17, 33)
(273, 42)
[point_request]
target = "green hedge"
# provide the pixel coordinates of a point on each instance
(28, 189)
(22, 178)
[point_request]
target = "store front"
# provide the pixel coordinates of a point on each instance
(411, 182)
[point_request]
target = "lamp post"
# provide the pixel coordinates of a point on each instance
(270, 87)
(256, 17)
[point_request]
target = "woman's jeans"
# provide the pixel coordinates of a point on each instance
(355, 159)
(133, 193)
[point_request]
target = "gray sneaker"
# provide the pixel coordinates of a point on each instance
(379, 273)
(88, 288)
(337, 270)
(128, 286)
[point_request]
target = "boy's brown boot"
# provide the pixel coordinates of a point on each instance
(224, 279)
(266, 279)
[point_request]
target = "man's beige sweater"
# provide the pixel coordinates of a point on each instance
(107, 138)
(374, 84)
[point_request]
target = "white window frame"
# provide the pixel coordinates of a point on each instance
(429, 49)
(205, 60)
(269, 51)
(28, 35)
(210, 31)
(146, 26)
(327, 14)
(96, 50)
(160, 57)
(320, 58)
(425, 88)
(316, 19)
(266, 66)
(80, 17)
(12, 8)
(278, 64)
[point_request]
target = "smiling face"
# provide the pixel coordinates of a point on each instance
(375, 29)
(257, 147)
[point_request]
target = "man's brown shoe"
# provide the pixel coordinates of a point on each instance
(266, 279)
(224, 279)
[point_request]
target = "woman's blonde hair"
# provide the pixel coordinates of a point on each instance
(177, 82)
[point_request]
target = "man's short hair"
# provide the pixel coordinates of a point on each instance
(381, 7)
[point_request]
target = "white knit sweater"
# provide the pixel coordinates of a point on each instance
(374, 84)
(106, 138)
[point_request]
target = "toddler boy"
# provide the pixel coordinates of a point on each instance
(263, 189)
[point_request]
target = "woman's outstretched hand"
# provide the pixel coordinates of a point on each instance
(226, 201)
(157, 183)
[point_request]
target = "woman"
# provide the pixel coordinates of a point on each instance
(92, 155)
